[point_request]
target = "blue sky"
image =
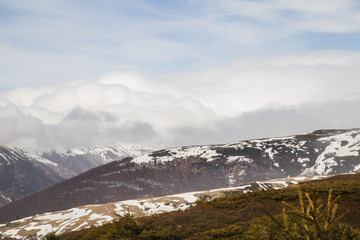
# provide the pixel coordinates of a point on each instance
(51, 40)
(223, 62)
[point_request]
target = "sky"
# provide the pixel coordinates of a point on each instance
(175, 72)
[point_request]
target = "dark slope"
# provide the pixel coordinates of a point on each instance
(118, 180)
(19, 176)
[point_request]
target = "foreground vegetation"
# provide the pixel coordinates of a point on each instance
(313, 213)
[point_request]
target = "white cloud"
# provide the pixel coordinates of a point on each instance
(252, 97)
(254, 83)
(87, 112)
(273, 122)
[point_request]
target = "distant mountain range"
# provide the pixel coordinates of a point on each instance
(25, 171)
(196, 168)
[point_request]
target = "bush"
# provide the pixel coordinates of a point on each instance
(313, 221)
(125, 227)
(52, 236)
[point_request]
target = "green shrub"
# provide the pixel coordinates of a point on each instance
(234, 232)
(52, 236)
(125, 227)
(313, 221)
(162, 233)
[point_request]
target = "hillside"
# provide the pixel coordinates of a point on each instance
(234, 216)
(197, 168)
(25, 171)
(86, 216)
(21, 176)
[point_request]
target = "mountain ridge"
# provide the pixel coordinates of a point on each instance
(196, 168)
(24, 171)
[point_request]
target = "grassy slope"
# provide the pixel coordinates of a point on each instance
(231, 216)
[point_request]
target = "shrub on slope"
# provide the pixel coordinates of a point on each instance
(234, 217)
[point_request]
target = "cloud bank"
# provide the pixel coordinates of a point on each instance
(249, 98)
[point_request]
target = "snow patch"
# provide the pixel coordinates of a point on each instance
(356, 168)
(303, 160)
(239, 159)
(299, 178)
(270, 153)
(176, 153)
(340, 145)
(12, 233)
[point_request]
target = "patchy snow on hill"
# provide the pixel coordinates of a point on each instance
(38, 226)
(324, 154)
(340, 147)
(171, 154)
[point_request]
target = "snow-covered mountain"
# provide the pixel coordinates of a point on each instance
(197, 168)
(321, 152)
(25, 171)
(20, 175)
(71, 162)
(38, 226)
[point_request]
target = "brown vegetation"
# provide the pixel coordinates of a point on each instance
(234, 217)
